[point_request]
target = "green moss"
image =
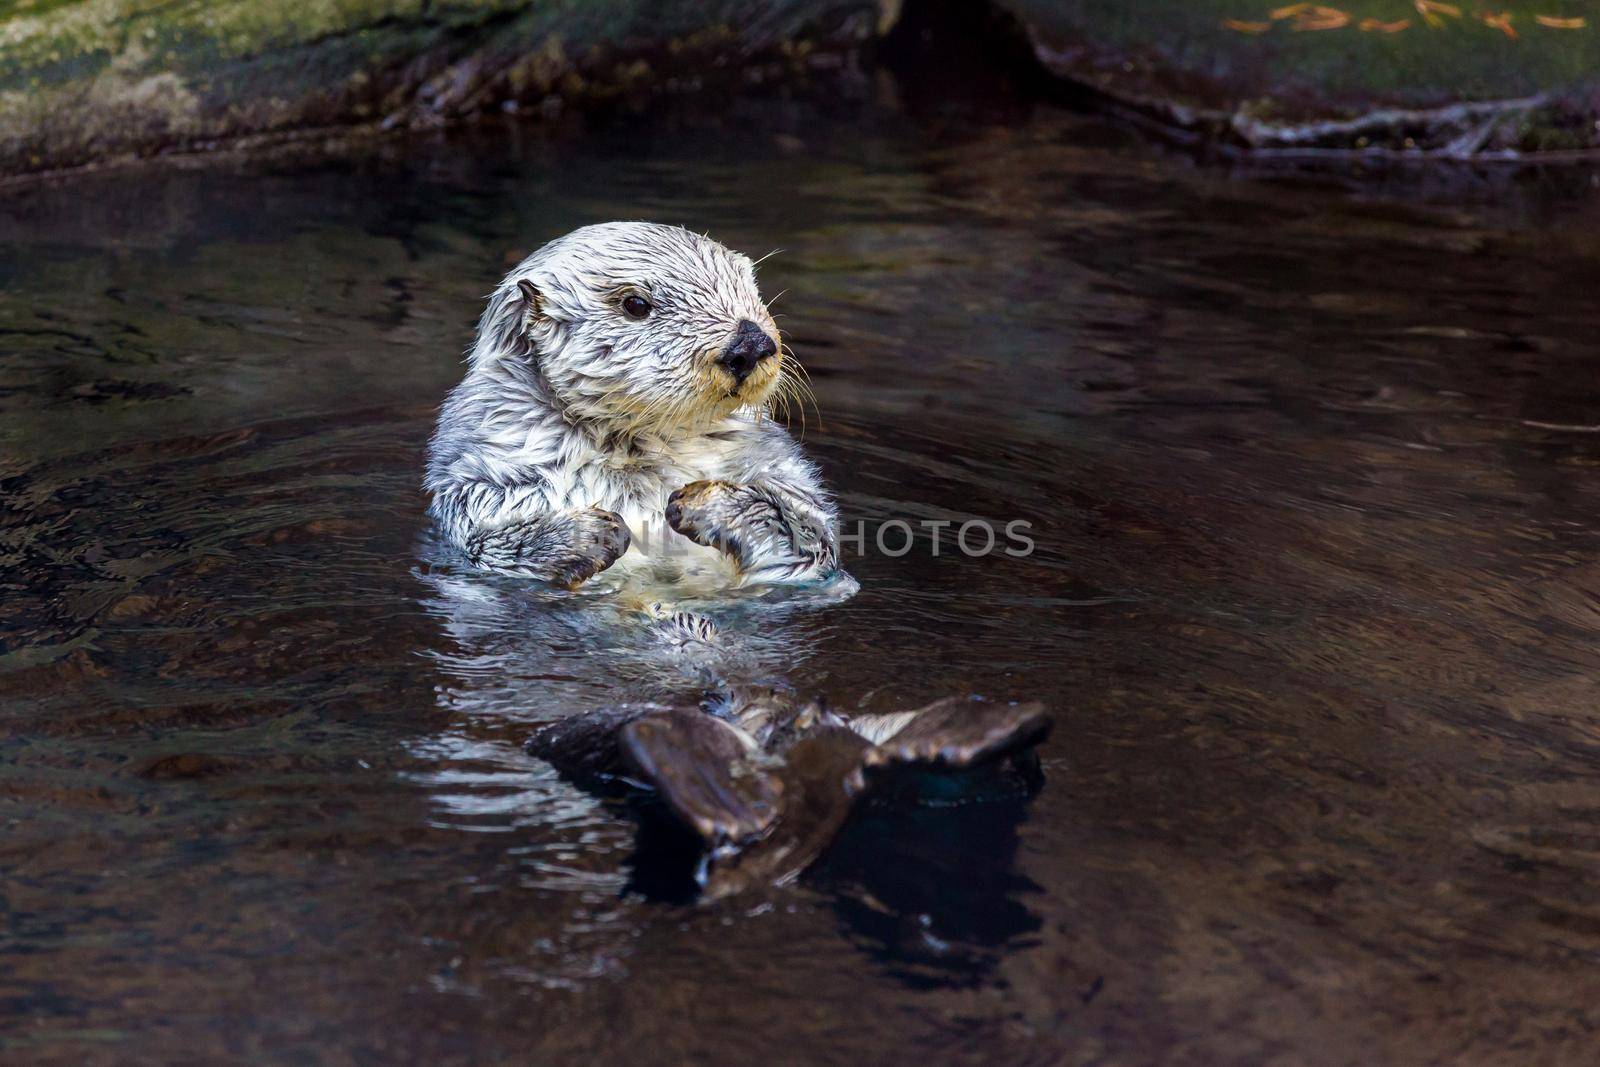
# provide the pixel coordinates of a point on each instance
(81, 80)
(1189, 50)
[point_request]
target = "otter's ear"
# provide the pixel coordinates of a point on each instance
(530, 296)
(504, 330)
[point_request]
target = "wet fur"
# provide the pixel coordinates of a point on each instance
(578, 431)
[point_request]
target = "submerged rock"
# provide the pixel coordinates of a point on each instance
(763, 782)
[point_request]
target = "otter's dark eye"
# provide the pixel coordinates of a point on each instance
(635, 307)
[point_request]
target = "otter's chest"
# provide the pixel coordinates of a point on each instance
(643, 485)
(637, 486)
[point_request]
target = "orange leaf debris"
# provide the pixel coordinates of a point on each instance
(1431, 10)
(1321, 18)
(1501, 22)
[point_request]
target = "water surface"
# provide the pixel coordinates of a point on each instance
(1315, 601)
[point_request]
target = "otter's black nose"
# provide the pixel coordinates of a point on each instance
(750, 346)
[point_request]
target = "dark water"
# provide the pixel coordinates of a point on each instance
(1315, 600)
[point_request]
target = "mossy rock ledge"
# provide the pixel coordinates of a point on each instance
(84, 82)
(1391, 79)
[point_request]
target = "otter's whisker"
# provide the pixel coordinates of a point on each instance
(799, 381)
(794, 362)
(787, 390)
(778, 403)
(804, 385)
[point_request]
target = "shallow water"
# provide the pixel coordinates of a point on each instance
(1315, 601)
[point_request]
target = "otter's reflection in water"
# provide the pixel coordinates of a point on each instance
(520, 655)
(526, 654)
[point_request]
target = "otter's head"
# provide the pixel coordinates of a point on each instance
(637, 326)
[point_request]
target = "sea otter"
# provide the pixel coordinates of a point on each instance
(616, 404)
(618, 389)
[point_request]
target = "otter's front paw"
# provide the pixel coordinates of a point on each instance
(598, 538)
(707, 513)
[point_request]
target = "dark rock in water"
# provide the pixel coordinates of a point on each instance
(949, 736)
(764, 782)
(699, 764)
(585, 746)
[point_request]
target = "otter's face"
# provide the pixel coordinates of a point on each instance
(648, 326)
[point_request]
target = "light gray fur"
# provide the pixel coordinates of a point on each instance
(575, 423)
